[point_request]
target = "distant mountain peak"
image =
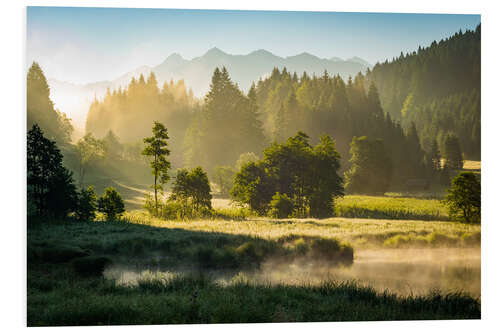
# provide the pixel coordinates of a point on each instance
(214, 51)
(175, 56)
(360, 61)
(261, 52)
(173, 59)
(336, 59)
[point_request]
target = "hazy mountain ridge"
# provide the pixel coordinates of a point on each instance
(74, 99)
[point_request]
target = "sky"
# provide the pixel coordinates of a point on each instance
(82, 45)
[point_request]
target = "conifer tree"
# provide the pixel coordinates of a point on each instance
(156, 147)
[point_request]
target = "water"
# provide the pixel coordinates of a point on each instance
(401, 271)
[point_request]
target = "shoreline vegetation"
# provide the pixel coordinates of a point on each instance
(64, 291)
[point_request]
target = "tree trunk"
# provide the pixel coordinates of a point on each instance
(156, 190)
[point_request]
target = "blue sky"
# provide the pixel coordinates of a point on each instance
(90, 44)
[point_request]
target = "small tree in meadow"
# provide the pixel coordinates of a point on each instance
(111, 204)
(200, 188)
(192, 187)
(86, 204)
(464, 198)
(156, 147)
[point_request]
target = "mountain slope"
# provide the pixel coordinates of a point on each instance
(438, 88)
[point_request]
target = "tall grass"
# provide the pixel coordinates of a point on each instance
(360, 232)
(63, 299)
(376, 207)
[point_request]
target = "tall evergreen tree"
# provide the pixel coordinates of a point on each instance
(156, 147)
(51, 191)
(40, 108)
(453, 152)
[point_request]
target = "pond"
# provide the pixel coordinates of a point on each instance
(401, 271)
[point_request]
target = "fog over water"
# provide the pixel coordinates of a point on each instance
(401, 271)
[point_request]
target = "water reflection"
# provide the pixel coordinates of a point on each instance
(403, 271)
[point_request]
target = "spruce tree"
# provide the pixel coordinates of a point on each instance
(156, 147)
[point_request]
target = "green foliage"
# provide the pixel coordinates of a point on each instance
(228, 116)
(51, 191)
(40, 109)
(394, 208)
(342, 110)
(129, 112)
(156, 147)
(333, 250)
(191, 188)
(111, 204)
(223, 177)
(306, 175)
(89, 150)
(86, 205)
(245, 158)
(464, 198)
(371, 169)
(438, 88)
(113, 148)
(326, 183)
(453, 153)
(281, 206)
(161, 298)
(253, 187)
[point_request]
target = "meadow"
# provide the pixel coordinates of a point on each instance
(144, 270)
(393, 206)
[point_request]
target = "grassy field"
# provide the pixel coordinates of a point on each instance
(360, 233)
(390, 207)
(144, 270)
(65, 262)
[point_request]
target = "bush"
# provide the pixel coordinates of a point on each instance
(86, 205)
(333, 250)
(111, 204)
(281, 206)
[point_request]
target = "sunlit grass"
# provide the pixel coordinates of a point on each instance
(359, 232)
(390, 208)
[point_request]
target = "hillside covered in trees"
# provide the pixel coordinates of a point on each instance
(438, 88)
(430, 115)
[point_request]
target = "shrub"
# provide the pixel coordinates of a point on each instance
(281, 206)
(333, 250)
(86, 205)
(111, 204)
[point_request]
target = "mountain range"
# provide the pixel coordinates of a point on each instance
(75, 99)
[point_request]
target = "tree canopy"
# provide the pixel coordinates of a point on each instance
(51, 191)
(299, 172)
(40, 108)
